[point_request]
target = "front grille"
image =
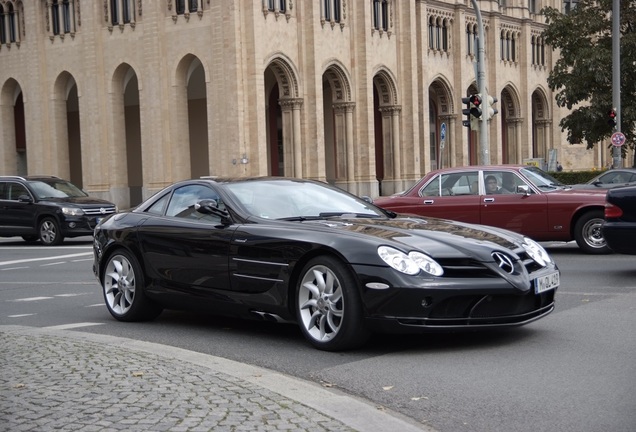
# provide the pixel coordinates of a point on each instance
(98, 211)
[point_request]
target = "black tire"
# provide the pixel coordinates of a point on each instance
(49, 232)
(123, 288)
(328, 306)
(589, 235)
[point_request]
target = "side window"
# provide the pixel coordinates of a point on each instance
(183, 200)
(455, 184)
(159, 206)
(4, 191)
(15, 190)
(431, 189)
(502, 182)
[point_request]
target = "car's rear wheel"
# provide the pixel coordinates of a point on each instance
(123, 283)
(589, 235)
(49, 232)
(328, 306)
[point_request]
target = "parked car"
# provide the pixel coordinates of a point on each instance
(523, 199)
(620, 220)
(293, 250)
(48, 209)
(617, 177)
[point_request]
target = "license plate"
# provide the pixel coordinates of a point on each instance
(547, 282)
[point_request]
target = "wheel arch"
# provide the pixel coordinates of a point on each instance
(295, 274)
(579, 213)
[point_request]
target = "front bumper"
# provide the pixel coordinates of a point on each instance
(443, 304)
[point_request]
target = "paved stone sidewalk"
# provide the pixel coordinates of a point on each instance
(60, 380)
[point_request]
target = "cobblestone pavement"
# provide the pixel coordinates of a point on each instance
(60, 380)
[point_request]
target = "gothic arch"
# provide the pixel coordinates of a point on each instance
(338, 124)
(440, 111)
(540, 124)
(512, 148)
(13, 151)
(282, 116)
(386, 127)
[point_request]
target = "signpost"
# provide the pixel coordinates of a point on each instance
(442, 144)
(618, 139)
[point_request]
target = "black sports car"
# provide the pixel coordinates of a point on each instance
(302, 251)
(620, 220)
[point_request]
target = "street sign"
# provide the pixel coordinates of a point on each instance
(443, 132)
(442, 144)
(618, 139)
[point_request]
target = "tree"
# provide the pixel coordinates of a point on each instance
(582, 76)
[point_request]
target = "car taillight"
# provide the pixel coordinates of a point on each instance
(612, 211)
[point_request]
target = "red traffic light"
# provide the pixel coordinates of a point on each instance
(611, 117)
(475, 100)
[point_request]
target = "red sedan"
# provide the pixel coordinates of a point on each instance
(519, 198)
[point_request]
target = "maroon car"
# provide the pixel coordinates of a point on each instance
(519, 198)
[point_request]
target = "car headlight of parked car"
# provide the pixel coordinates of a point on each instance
(536, 252)
(410, 264)
(72, 211)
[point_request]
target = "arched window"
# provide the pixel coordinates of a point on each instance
(431, 33)
(438, 34)
(3, 34)
(532, 48)
(445, 35)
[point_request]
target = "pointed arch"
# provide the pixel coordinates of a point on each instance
(282, 113)
(512, 149)
(338, 107)
(387, 112)
(441, 110)
(13, 149)
(65, 141)
(541, 123)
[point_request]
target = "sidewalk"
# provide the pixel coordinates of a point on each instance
(72, 381)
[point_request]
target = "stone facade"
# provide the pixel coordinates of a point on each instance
(124, 97)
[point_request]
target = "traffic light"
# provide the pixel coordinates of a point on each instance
(466, 112)
(490, 109)
(475, 111)
(475, 105)
(611, 117)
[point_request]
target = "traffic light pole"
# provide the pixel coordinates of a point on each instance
(484, 145)
(616, 77)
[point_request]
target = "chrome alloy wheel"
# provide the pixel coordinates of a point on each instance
(592, 233)
(119, 284)
(48, 232)
(321, 303)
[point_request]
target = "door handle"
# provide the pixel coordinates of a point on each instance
(429, 201)
(489, 200)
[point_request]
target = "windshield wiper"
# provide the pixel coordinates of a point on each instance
(349, 214)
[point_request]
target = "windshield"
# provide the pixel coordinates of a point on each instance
(541, 179)
(56, 189)
(289, 199)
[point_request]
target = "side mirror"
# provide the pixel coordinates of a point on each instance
(523, 189)
(25, 199)
(211, 206)
(367, 199)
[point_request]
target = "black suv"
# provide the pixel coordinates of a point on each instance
(48, 209)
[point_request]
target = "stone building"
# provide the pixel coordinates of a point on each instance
(124, 97)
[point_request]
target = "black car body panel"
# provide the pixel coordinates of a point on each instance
(250, 266)
(620, 225)
(610, 179)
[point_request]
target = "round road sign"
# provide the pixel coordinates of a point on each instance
(618, 139)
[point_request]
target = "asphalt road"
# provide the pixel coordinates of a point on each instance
(574, 370)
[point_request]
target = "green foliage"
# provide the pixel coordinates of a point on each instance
(575, 177)
(582, 76)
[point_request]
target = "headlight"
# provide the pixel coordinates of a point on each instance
(72, 211)
(410, 264)
(536, 251)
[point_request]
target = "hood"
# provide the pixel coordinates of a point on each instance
(81, 201)
(437, 237)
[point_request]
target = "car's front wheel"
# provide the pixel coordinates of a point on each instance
(589, 235)
(328, 306)
(123, 283)
(49, 232)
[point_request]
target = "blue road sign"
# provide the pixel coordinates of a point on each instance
(443, 132)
